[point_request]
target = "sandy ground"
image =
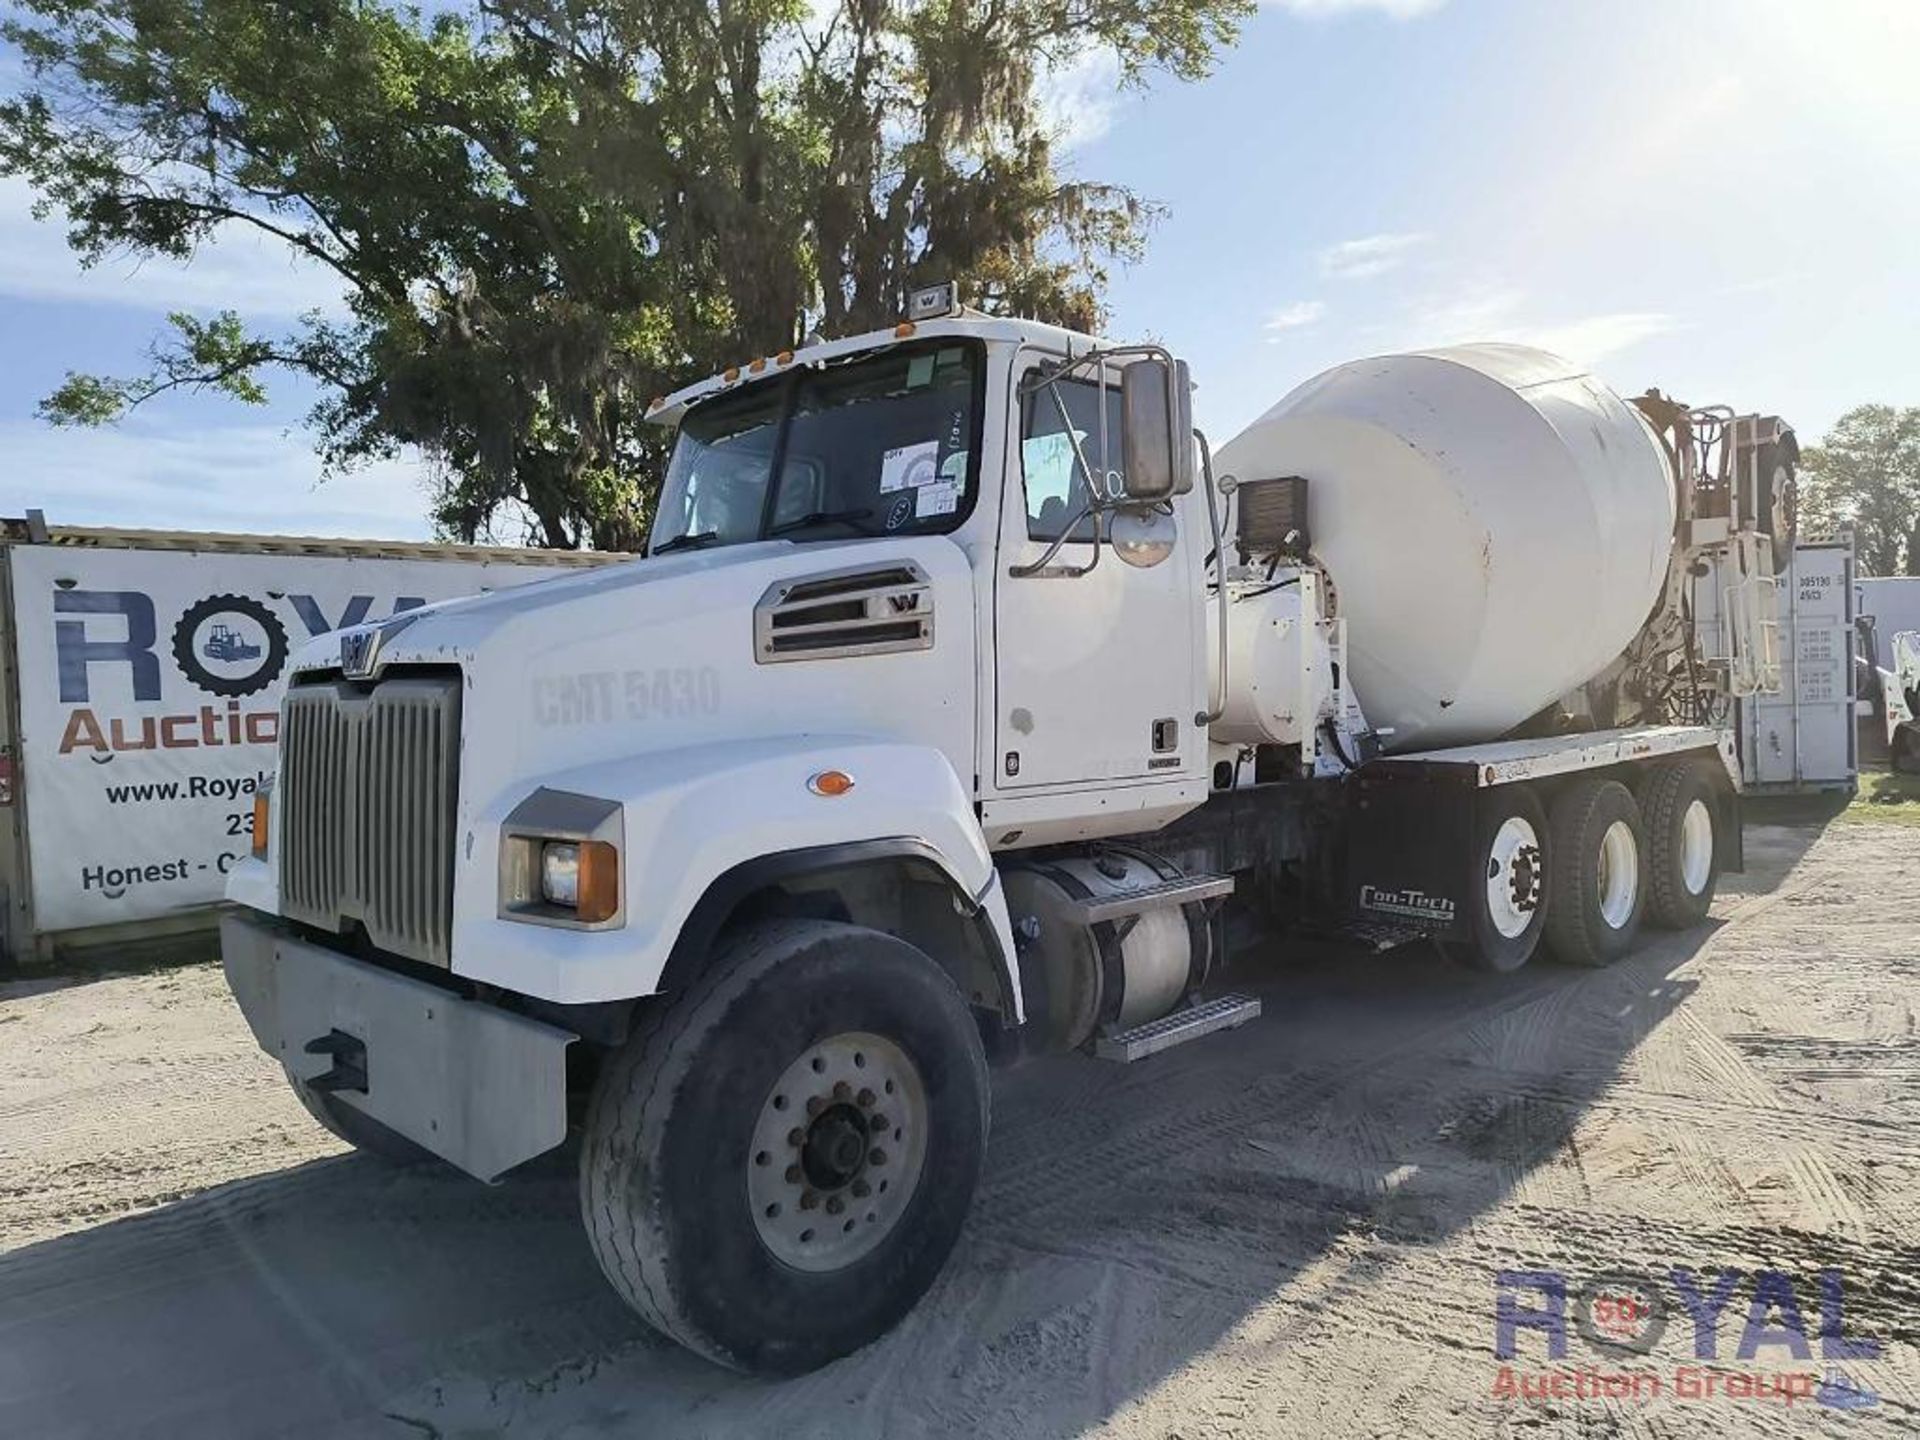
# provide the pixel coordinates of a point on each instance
(1291, 1230)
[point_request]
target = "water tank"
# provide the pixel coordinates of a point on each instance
(1496, 524)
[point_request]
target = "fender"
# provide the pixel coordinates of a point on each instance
(692, 815)
(985, 911)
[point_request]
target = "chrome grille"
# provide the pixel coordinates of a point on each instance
(367, 784)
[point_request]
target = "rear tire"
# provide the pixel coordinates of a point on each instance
(727, 1186)
(1681, 813)
(362, 1132)
(1506, 901)
(1598, 892)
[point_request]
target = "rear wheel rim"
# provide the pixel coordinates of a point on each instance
(1696, 847)
(1513, 877)
(1619, 875)
(837, 1151)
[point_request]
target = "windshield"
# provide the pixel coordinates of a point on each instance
(881, 445)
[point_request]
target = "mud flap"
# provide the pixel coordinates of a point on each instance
(1410, 850)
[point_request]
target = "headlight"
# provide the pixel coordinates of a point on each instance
(574, 882)
(560, 873)
(560, 861)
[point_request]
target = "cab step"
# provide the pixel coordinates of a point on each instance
(1226, 1012)
(1184, 891)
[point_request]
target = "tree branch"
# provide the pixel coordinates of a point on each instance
(303, 243)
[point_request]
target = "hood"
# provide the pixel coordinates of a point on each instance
(869, 637)
(454, 626)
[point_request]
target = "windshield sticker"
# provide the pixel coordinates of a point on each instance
(899, 513)
(910, 466)
(920, 372)
(940, 498)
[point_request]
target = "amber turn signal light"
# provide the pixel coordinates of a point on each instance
(599, 882)
(830, 783)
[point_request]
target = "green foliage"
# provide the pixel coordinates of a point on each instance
(543, 212)
(1885, 798)
(216, 354)
(1865, 476)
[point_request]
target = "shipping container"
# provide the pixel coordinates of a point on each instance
(139, 680)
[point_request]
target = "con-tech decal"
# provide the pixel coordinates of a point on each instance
(1408, 903)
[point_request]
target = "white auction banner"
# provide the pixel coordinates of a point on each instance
(149, 690)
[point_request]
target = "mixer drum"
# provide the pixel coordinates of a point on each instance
(1496, 524)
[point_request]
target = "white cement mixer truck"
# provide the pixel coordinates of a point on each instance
(963, 707)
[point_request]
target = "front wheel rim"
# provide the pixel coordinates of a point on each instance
(837, 1151)
(1696, 847)
(1619, 877)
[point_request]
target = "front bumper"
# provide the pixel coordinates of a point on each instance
(480, 1087)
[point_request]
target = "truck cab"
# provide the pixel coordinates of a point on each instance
(965, 439)
(913, 600)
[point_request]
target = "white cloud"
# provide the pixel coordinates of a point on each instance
(1594, 338)
(238, 269)
(1321, 9)
(1078, 98)
(249, 477)
(1762, 284)
(1476, 313)
(1368, 256)
(1505, 315)
(1297, 316)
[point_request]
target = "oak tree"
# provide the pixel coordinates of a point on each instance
(543, 212)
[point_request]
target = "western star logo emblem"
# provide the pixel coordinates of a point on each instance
(360, 649)
(356, 652)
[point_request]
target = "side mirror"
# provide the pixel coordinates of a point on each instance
(1156, 407)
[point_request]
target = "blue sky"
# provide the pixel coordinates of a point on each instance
(1719, 197)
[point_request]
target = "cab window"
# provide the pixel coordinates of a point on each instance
(1056, 485)
(881, 443)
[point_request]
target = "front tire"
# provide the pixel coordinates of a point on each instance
(778, 1162)
(1598, 894)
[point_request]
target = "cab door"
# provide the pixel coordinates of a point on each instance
(1098, 675)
